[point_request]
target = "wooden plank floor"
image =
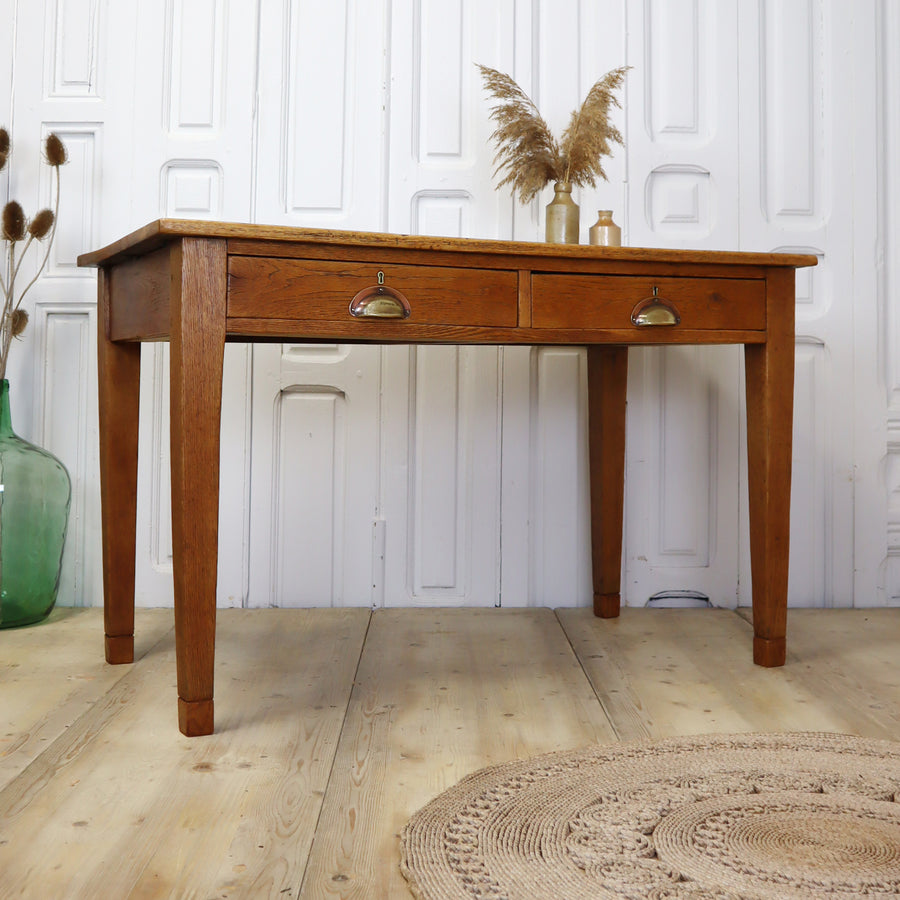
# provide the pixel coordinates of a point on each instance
(333, 726)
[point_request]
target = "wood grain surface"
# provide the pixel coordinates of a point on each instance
(337, 724)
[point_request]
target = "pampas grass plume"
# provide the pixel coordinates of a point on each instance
(530, 157)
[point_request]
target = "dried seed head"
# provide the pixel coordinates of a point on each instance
(13, 222)
(4, 142)
(55, 150)
(39, 227)
(18, 321)
(3, 158)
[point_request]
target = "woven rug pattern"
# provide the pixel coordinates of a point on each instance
(714, 817)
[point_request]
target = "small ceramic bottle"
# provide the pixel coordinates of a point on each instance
(604, 232)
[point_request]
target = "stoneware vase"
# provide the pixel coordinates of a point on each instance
(562, 216)
(35, 492)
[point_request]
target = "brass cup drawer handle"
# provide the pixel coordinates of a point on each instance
(380, 302)
(655, 311)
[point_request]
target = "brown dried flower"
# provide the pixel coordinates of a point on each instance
(55, 150)
(19, 234)
(527, 151)
(18, 321)
(39, 227)
(13, 221)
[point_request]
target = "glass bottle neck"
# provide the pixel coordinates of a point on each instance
(5, 415)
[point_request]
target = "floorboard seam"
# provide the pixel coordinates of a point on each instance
(337, 746)
(587, 676)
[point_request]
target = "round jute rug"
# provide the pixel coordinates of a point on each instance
(714, 817)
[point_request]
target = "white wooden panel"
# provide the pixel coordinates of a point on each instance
(196, 65)
(811, 116)
(192, 189)
(682, 512)
(812, 293)
(441, 185)
(685, 460)
(889, 193)
(674, 57)
(67, 429)
(561, 505)
(453, 493)
(160, 462)
(810, 575)
(399, 123)
(439, 470)
(796, 153)
(318, 98)
(439, 52)
(308, 496)
(889, 287)
(439, 118)
(79, 179)
(154, 526)
(60, 53)
(189, 154)
(680, 202)
(442, 213)
(314, 475)
(682, 460)
(322, 104)
(73, 48)
(320, 145)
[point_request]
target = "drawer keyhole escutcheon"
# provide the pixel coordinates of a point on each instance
(655, 311)
(380, 302)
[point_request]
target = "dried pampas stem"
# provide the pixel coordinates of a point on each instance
(526, 149)
(589, 135)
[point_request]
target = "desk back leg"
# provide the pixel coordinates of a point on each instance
(607, 385)
(119, 376)
(197, 341)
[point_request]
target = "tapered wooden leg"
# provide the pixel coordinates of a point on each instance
(119, 374)
(770, 400)
(607, 383)
(197, 339)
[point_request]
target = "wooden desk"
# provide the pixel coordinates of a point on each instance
(200, 284)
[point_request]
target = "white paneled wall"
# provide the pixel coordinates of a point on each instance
(434, 475)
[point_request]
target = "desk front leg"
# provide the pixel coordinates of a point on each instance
(197, 353)
(119, 377)
(607, 385)
(770, 403)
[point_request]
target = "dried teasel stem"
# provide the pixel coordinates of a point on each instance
(16, 229)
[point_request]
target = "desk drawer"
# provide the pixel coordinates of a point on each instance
(322, 290)
(586, 301)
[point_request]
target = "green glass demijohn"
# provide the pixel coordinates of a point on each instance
(35, 492)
